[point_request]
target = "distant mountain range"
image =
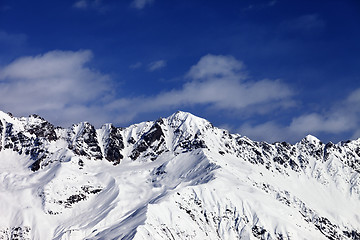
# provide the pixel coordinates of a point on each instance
(174, 178)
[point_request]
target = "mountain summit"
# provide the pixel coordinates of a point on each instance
(174, 178)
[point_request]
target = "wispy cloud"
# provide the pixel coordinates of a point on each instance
(90, 4)
(151, 67)
(12, 39)
(156, 65)
(82, 4)
(260, 6)
(343, 117)
(136, 65)
(140, 4)
(268, 131)
(217, 82)
(306, 24)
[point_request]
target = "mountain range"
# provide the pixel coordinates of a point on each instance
(178, 177)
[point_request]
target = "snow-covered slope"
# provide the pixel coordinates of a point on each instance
(175, 178)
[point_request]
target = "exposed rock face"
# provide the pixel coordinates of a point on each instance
(28, 136)
(114, 145)
(42, 129)
(15, 233)
(153, 142)
(175, 178)
(2, 133)
(83, 141)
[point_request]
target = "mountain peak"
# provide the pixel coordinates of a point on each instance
(185, 118)
(182, 115)
(312, 139)
(6, 116)
(205, 182)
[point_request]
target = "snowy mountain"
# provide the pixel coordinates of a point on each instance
(175, 178)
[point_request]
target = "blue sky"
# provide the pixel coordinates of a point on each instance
(271, 70)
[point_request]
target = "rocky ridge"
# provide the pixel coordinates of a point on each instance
(221, 185)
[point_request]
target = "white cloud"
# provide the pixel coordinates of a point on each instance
(314, 122)
(268, 131)
(299, 127)
(217, 82)
(140, 4)
(354, 98)
(153, 66)
(211, 66)
(53, 85)
(60, 86)
(343, 117)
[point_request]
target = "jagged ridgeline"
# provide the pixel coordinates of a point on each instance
(175, 178)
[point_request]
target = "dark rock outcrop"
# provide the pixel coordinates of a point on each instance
(114, 145)
(84, 141)
(147, 142)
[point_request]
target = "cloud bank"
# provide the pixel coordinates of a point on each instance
(343, 117)
(217, 82)
(62, 87)
(58, 85)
